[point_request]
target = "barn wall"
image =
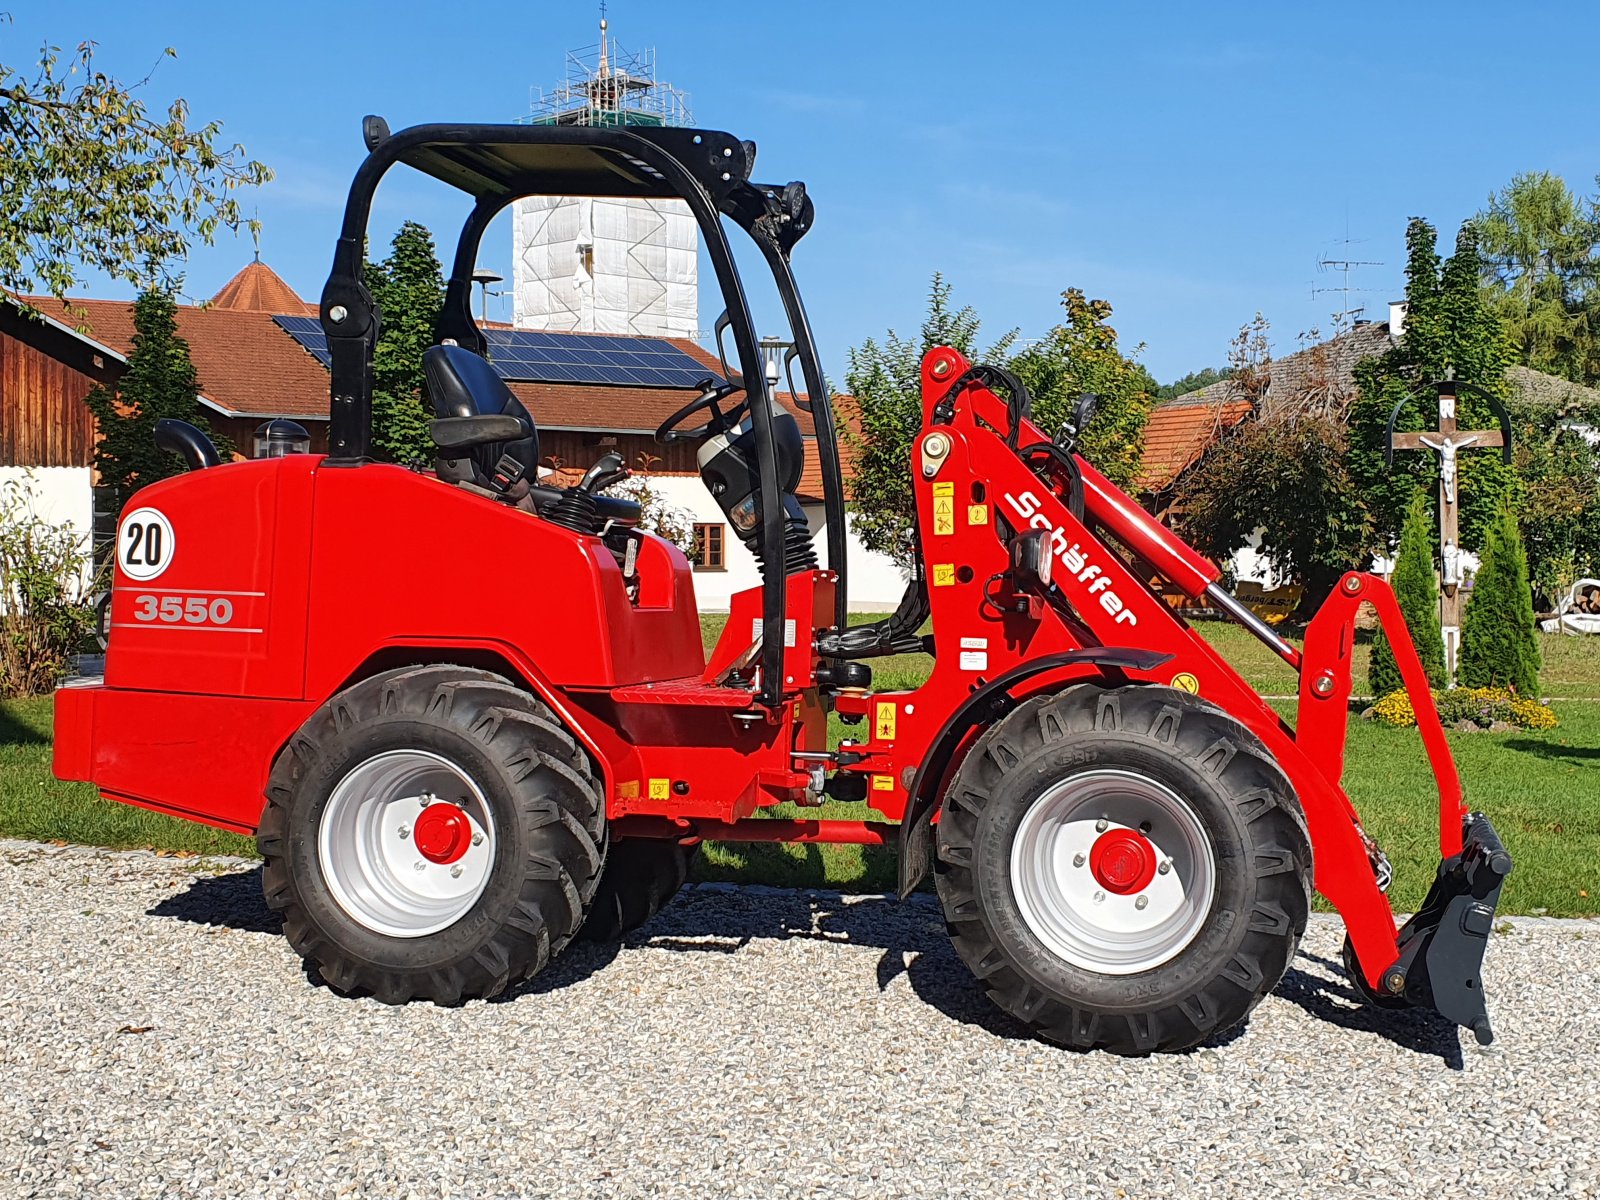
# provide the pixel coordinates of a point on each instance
(43, 420)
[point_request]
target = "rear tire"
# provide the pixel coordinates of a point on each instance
(384, 898)
(641, 876)
(1051, 843)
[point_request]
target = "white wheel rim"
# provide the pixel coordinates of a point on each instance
(368, 850)
(1071, 910)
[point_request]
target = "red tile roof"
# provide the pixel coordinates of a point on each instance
(258, 288)
(1177, 434)
(246, 364)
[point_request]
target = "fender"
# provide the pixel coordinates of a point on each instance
(984, 706)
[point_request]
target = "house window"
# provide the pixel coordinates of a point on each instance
(708, 547)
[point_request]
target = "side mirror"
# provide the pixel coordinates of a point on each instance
(1083, 412)
(1032, 559)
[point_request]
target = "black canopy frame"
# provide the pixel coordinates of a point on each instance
(499, 164)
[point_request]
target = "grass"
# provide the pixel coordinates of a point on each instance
(1541, 791)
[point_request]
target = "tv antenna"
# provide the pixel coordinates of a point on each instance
(1343, 266)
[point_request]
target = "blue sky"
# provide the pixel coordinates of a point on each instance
(1188, 162)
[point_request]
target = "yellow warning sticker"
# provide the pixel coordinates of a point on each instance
(660, 789)
(628, 789)
(944, 574)
(977, 514)
(945, 490)
(883, 783)
(1185, 682)
(884, 722)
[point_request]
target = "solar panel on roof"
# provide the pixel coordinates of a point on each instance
(538, 356)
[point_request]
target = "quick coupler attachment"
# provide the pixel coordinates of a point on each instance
(1441, 948)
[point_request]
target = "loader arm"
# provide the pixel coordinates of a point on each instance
(1099, 598)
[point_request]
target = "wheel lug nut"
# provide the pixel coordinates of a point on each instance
(1077, 860)
(1099, 896)
(477, 839)
(425, 799)
(419, 867)
(1141, 902)
(405, 832)
(1165, 866)
(455, 873)
(1101, 825)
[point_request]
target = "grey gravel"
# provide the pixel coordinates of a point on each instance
(159, 1038)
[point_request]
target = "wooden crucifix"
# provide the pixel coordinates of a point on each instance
(1447, 442)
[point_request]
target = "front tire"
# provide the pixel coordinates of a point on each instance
(432, 833)
(1123, 869)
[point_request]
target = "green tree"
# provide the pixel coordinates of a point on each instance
(159, 382)
(1192, 382)
(1498, 643)
(1541, 273)
(1416, 588)
(409, 288)
(885, 386)
(92, 182)
(1447, 328)
(1559, 469)
(1081, 355)
(1278, 477)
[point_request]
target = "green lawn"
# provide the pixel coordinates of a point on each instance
(1542, 791)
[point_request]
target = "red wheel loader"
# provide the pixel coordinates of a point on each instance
(469, 718)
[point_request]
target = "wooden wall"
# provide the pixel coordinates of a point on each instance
(583, 450)
(43, 420)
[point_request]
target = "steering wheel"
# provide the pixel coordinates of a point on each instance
(711, 396)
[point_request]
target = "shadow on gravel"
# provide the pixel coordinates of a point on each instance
(1336, 1002)
(911, 936)
(233, 901)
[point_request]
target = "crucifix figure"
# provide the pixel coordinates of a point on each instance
(1447, 441)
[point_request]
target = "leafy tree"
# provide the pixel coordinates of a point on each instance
(92, 181)
(1498, 643)
(885, 385)
(159, 382)
(1279, 475)
(1081, 355)
(1192, 382)
(1560, 472)
(1416, 588)
(1448, 328)
(1541, 273)
(409, 288)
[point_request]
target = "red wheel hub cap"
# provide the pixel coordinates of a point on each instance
(1123, 861)
(442, 833)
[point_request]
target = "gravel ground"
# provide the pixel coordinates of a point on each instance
(160, 1039)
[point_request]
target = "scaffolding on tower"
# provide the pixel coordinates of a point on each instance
(607, 265)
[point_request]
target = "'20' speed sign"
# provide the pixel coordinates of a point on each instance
(145, 544)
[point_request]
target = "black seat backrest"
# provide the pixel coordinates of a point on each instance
(461, 384)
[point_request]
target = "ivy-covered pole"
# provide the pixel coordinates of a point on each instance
(1447, 441)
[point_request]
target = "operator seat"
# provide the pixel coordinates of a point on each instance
(462, 384)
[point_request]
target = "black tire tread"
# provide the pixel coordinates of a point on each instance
(1210, 740)
(641, 876)
(555, 785)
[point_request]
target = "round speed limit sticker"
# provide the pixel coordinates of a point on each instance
(145, 544)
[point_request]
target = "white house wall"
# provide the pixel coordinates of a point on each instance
(875, 582)
(61, 496)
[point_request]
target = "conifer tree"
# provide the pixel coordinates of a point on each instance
(1416, 588)
(409, 289)
(160, 382)
(1498, 643)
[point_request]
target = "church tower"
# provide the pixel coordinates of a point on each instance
(595, 264)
